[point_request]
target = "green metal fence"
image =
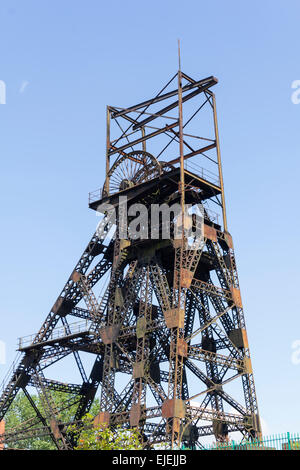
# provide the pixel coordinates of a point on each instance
(284, 441)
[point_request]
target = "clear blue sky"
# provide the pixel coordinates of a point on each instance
(63, 61)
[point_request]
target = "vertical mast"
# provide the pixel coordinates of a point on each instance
(106, 186)
(219, 162)
(181, 188)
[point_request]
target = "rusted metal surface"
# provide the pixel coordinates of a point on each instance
(228, 239)
(236, 296)
(119, 299)
(210, 233)
(138, 370)
(76, 276)
(135, 414)
(220, 429)
(182, 346)
(141, 327)
(173, 408)
(55, 429)
(102, 419)
(248, 365)
(174, 318)
(57, 305)
(186, 278)
(109, 334)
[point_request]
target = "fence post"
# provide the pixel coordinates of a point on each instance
(289, 440)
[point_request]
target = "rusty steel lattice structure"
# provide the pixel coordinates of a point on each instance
(166, 334)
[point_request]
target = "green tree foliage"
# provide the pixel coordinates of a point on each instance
(21, 412)
(102, 437)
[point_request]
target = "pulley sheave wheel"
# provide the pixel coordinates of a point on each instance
(133, 168)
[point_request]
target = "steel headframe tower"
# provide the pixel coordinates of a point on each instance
(167, 332)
